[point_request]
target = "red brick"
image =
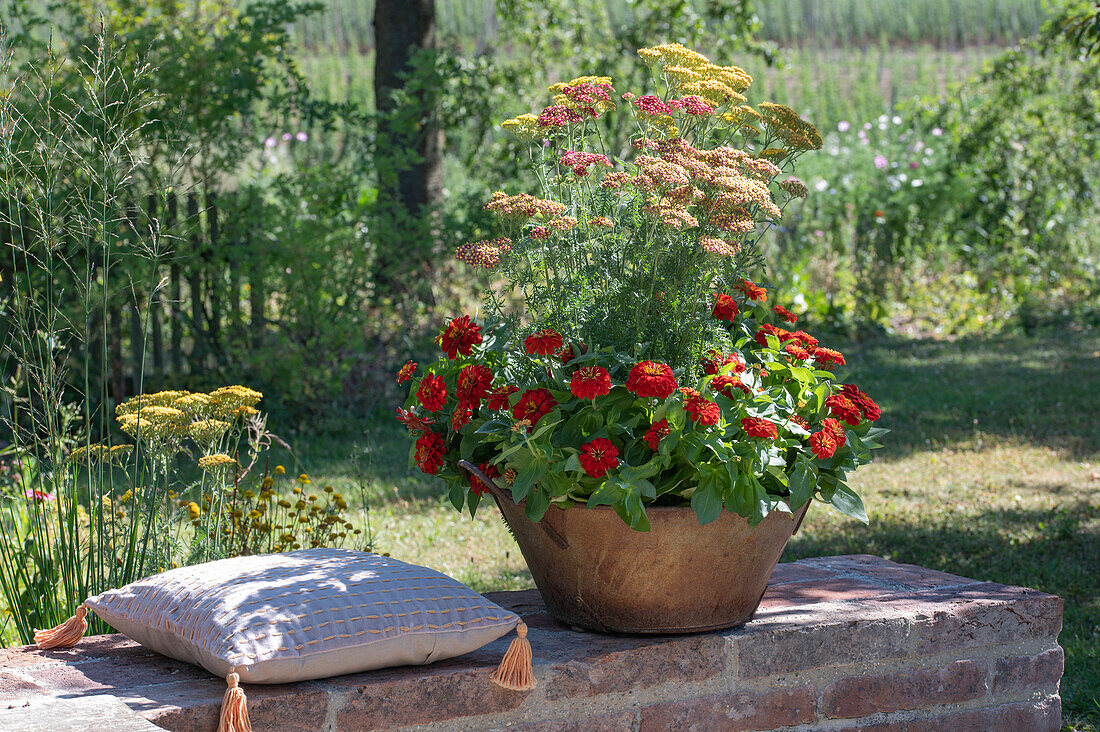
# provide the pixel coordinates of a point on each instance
(811, 592)
(14, 688)
(860, 696)
(521, 602)
(124, 672)
(1039, 716)
(901, 576)
(833, 638)
(681, 659)
(741, 710)
(194, 707)
(421, 698)
(797, 572)
(603, 723)
(1026, 673)
(977, 615)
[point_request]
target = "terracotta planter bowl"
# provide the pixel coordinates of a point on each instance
(595, 572)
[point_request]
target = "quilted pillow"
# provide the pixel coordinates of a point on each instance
(300, 615)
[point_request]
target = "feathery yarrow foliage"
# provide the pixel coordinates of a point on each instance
(626, 253)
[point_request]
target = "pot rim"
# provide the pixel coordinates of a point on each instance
(505, 494)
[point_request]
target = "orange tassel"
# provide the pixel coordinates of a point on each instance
(64, 635)
(234, 716)
(515, 672)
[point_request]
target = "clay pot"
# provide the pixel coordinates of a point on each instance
(595, 572)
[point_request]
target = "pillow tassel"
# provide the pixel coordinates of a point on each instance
(65, 635)
(234, 717)
(515, 671)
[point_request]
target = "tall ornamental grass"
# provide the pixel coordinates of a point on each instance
(98, 491)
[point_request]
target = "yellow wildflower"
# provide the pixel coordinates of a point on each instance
(227, 401)
(524, 127)
(304, 479)
(196, 406)
(135, 404)
(88, 453)
(280, 470)
(193, 511)
(207, 431)
(217, 461)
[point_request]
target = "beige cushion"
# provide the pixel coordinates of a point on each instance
(303, 615)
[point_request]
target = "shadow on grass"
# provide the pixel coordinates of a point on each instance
(1054, 552)
(1033, 390)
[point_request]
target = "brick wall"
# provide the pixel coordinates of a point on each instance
(839, 643)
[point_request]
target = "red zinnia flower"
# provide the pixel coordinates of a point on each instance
(432, 392)
(722, 384)
(844, 408)
(490, 471)
(460, 418)
(758, 427)
(656, 431)
(797, 351)
(589, 382)
(460, 337)
(651, 379)
(473, 384)
(543, 343)
(498, 397)
(713, 362)
(827, 358)
(835, 429)
(800, 421)
(808, 341)
(701, 409)
(406, 372)
(414, 423)
(725, 307)
(784, 314)
(533, 406)
(823, 444)
(429, 452)
(599, 456)
(870, 410)
(768, 329)
(752, 291)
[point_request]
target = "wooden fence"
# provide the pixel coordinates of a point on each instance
(183, 324)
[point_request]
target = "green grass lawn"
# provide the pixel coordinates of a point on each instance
(992, 471)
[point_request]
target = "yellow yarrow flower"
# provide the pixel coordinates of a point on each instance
(89, 453)
(193, 511)
(135, 404)
(229, 402)
(217, 461)
(207, 431)
(524, 127)
(196, 406)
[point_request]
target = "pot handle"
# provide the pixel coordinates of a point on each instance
(502, 497)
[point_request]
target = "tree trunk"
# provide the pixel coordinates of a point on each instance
(410, 186)
(401, 28)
